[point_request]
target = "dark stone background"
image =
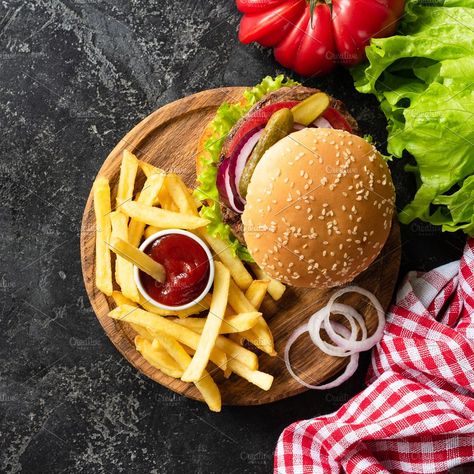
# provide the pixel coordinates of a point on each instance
(75, 76)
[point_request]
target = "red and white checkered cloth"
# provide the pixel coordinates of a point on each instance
(417, 414)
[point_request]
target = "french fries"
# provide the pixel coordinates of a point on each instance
(155, 323)
(166, 201)
(237, 269)
(199, 307)
(211, 328)
(178, 343)
(128, 173)
(150, 230)
(103, 265)
(158, 357)
(256, 292)
(232, 324)
(205, 384)
(260, 379)
(260, 335)
(275, 287)
(138, 258)
(119, 300)
(236, 351)
(161, 218)
(149, 169)
(147, 197)
(180, 195)
(123, 267)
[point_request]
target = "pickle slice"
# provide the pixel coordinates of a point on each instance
(278, 126)
(308, 110)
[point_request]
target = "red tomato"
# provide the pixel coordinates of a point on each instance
(314, 47)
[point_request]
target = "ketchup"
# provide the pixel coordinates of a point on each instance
(187, 270)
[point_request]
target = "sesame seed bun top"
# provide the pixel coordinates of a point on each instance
(319, 208)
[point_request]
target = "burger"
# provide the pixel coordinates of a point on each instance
(291, 185)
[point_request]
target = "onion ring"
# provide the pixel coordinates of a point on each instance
(348, 312)
(369, 342)
(349, 370)
(314, 328)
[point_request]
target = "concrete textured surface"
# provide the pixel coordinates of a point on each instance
(75, 76)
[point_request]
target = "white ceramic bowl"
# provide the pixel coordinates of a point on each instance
(206, 290)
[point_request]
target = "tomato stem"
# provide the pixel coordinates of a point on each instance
(312, 6)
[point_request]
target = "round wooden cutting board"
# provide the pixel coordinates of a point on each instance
(167, 138)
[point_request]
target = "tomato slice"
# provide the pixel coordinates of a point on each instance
(336, 120)
(257, 119)
(255, 26)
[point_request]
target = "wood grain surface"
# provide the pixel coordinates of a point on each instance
(167, 138)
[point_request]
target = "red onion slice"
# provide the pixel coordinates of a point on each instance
(314, 330)
(348, 371)
(244, 155)
(321, 122)
(369, 342)
(224, 187)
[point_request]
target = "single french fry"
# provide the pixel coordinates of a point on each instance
(150, 230)
(148, 195)
(197, 202)
(236, 351)
(213, 323)
(237, 269)
(260, 335)
(143, 332)
(256, 292)
(231, 324)
(103, 265)
(158, 358)
(128, 173)
(160, 217)
(123, 267)
(199, 307)
(275, 288)
(181, 195)
(238, 301)
(165, 200)
(149, 169)
(138, 258)
(260, 379)
(206, 385)
(155, 323)
(119, 300)
(237, 338)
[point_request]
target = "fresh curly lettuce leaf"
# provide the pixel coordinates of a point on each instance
(226, 117)
(424, 80)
